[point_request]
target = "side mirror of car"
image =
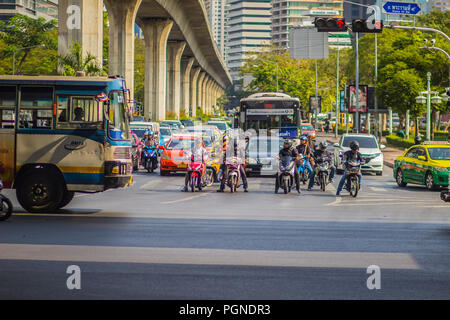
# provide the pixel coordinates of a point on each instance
(382, 147)
(336, 145)
(422, 158)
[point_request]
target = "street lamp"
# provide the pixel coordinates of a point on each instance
(18, 49)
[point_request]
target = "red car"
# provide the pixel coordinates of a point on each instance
(308, 129)
(174, 158)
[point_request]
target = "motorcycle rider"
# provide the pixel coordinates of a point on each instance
(417, 140)
(305, 149)
(223, 167)
(352, 154)
(288, 151)
(147, 142)
(198, 152)
(322, 152)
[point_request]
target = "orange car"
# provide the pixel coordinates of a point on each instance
(307, 128)
(173, 158)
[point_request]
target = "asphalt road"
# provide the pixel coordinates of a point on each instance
(151, 241)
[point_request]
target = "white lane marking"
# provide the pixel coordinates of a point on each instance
(335, 202)
(188, 256)
(150, 184)
(186, 199)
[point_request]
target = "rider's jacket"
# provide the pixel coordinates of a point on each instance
(304, 150)
(322, 154)
(350, 155)
(149, 143)
(289, 152)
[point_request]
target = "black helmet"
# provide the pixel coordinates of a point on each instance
(354, 145)
(323, 145)
(417, 140)
(287, 143)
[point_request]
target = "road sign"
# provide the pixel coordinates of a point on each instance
(401, 8)
(308, 43)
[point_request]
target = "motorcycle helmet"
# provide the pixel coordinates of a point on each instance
(354, 145)
(303, 138)
(287, 143)
(323, 145)
(417, 140)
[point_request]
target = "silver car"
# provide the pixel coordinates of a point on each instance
(261, 153)
(369, 149)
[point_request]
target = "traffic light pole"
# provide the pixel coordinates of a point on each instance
(356, 122)
(338, 105)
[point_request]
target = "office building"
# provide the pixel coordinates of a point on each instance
(47, 9)
(216, 10)
(248, 30)
(287, 13)
(442, 5)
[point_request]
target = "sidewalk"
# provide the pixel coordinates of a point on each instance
(390, 154)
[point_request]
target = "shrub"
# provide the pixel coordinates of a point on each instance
(395, 141)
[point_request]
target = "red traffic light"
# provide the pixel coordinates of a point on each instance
(330, 24)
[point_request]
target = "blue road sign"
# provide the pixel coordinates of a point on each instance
(401, 8)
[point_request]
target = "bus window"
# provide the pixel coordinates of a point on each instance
(7, 107)
(36, 107)
(62, 113)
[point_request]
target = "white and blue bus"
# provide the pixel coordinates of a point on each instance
(271, 112)
(61, 135)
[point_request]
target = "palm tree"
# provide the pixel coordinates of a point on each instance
(75, 61)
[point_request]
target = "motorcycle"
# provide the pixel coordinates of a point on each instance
(234, 174)
(6, 206)
(302, 171)
(286, 173)
(322, 172)
(196, 174)
(352, 184)
(150, 158)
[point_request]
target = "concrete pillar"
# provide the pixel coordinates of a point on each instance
(204, 93)
(173, 93)
(81, 21)
(186, 66)
(201, 79)
(193, 88)
(156, 33)
(122, 16)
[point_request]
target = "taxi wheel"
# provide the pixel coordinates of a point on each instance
(399, 178)
(429, 182)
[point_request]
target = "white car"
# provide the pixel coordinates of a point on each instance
(368, 147)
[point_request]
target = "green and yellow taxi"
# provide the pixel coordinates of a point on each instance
(427, 164)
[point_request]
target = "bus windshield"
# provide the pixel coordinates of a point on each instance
(119, 128)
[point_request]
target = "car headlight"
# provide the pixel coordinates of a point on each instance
(441, 169)
(165, 157)
(251, 161)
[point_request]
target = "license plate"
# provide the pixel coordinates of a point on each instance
(267, 167)
(182, 165)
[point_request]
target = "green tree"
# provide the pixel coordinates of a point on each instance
(76, 61)
(26, 32)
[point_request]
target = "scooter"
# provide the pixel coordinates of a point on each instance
(322, 172)
(6, 206)
(302, 171)
(234, 174)
(352, 179)
(150, 158)
(196, 171)
(286, 173)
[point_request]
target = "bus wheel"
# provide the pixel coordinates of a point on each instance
(67, 197)
(40, 192)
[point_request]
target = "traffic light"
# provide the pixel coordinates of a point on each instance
(367, 26)
(330, 24)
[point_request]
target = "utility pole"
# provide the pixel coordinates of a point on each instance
(356, 122)
(337, 95)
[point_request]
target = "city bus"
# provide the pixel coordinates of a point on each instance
(271, 112)
(61, 135)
